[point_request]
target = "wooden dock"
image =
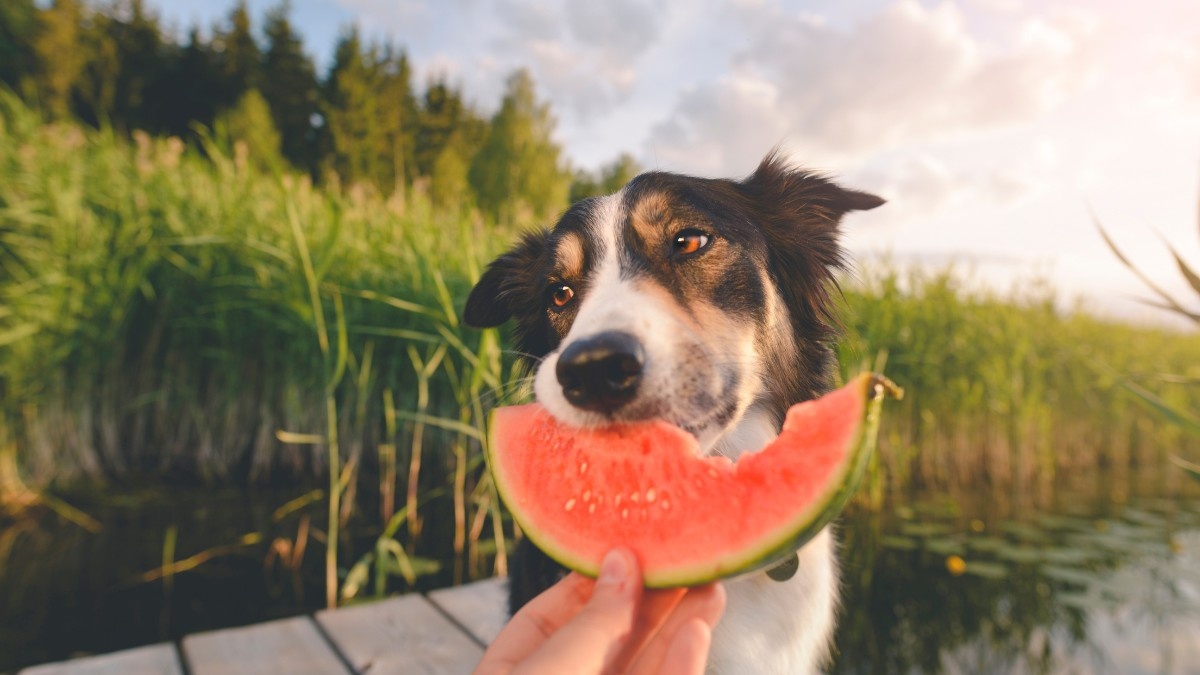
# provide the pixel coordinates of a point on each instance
(440, 633)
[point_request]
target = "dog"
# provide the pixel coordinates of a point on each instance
(708, 303)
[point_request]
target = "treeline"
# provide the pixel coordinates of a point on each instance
(363, 122)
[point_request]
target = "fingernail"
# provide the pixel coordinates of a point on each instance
(614, 568)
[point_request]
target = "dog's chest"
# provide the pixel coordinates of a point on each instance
(775, 627)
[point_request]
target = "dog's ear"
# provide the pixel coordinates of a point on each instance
(807, 195)
(510, 279)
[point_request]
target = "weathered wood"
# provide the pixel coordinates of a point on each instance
(480, 607)
(160, 659)
(293, 646)
(404, 635)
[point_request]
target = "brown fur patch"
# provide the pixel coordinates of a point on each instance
(651, 216)
(568, 257)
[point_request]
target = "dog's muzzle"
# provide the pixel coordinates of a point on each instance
(602, 372)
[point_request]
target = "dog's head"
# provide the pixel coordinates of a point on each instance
(679, 298)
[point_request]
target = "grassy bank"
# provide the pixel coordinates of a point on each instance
(167, 311)
(1006, 390)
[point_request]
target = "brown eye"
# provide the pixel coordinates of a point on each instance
(561, 294)
(689, 241)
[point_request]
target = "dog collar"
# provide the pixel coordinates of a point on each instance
(786, 569)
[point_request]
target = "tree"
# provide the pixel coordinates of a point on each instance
(192, 87)
(350, 112)
(239, 58)
(516, 172)
(444, 121)
(612, 177)
(141, 56)
(59, 58)
(18, 27)
(250, 125)
(289, 85)
(370, 114)
(397, 111)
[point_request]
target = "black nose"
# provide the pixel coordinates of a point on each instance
(601, 373)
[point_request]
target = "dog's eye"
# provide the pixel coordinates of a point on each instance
(560, 294)
(689, 241)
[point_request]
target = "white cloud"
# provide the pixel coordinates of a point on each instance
(907, 75)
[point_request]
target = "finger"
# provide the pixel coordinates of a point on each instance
(530, 627)
(655, 609)
(688, 652)
(592, 641)
(703, 603)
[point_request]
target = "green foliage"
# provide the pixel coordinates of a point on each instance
(59, 61)
(370, 113)
(1006, 389)
(609, 179)
(239, 58)
(249, 130)
(18, 25)
(1175, 415)
(291, 89)
(518, 174)
(141, 268)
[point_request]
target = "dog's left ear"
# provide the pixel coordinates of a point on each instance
(508, 279)
(805, 193)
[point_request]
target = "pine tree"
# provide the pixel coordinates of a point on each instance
(60, 61)
(289, 84)
(445, 121)
(239, 58)
(249, 124)
(397, 113)
(516, 174)
(18, 27)
(192, 87)
(142, 55)
(349, 105)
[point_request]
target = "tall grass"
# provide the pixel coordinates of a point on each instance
(167, 310)
(1006, 389)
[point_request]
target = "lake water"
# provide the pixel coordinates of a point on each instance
(1104, 577)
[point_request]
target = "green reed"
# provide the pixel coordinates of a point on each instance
(174, 311)
(1007, 389)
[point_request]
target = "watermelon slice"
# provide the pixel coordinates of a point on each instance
(577, 493)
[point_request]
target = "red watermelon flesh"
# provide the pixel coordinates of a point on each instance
(577, 493)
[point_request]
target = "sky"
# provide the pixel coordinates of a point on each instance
(998, 130)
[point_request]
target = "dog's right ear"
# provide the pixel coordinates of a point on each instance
(510, 279)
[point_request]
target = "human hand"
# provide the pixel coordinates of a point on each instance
(610, 625)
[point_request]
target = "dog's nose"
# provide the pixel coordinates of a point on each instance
(601, 373)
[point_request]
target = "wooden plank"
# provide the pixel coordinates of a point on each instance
(480, 607)
(404, 635)
(160, 659)
(294, 646)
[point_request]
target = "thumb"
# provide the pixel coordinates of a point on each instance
(594, 639)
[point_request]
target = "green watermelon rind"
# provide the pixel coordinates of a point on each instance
(776, 545)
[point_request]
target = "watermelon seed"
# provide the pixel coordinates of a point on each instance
(650, 495)
(591, 508)
(625, 514)
(570, 504)
(582, 467)
(634, 497)
(713, 473)
(617, 500)
(587, 495)
(666, 505)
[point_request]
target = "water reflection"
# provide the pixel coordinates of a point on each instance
(1105, 579)
(1088, 585)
